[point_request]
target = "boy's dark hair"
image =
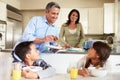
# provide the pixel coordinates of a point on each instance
(22, 49)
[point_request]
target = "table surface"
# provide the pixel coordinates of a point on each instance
(113, 76)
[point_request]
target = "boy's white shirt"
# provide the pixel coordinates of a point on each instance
(50, 71)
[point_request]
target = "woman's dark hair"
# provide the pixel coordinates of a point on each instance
(22, 49)
(103, 50)
(69, 21)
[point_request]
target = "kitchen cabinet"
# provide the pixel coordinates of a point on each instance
(95, 21)
(3, 11)
(109, 18)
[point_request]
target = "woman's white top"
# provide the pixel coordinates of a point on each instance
(72, 31)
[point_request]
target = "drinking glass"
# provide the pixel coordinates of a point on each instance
(16, 72)
(73, 70)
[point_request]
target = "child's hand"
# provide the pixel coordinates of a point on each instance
(29, 74)
(84, 72)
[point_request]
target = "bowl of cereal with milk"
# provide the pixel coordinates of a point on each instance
(97, 72)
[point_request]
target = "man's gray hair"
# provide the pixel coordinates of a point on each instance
(52, 5)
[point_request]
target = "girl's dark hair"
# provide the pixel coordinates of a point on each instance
(103, 50)
(69, 21)
(22, 49)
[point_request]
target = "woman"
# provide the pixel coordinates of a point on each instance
(96, 57)
(71, 33)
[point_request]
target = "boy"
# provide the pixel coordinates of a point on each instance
(29, 55)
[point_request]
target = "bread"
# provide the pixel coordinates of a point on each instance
(98, 66)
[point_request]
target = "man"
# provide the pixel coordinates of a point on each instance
(29, 55)
(41, 29)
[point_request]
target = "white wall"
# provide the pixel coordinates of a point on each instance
(27, 15)
(40, 4)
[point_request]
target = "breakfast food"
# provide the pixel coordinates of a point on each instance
(98, 67)
(55, 38)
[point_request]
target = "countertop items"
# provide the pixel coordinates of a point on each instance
(71, 50)
(54, 47)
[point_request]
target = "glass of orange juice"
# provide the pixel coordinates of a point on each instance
(73, 72)
(16, 72)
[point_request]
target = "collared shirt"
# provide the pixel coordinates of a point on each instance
(38, 27)
(40, 63)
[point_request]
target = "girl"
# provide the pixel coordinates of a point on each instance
(97, 57)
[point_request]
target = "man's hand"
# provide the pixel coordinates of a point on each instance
(49, 38)
(55, 38)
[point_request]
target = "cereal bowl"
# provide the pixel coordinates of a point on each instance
(101, 72)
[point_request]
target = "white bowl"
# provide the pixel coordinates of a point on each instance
(98, 72)
(32, 68)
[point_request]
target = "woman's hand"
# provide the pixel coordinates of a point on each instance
(67, 45)
(84, 72)
(29, 74)
(78, 46)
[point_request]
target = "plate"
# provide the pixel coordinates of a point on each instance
(75, 49)
(32, 68)
(54, 47)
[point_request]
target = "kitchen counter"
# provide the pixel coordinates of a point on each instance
(60, 62)
(6, 50)
(81, 51)
(85, 52)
